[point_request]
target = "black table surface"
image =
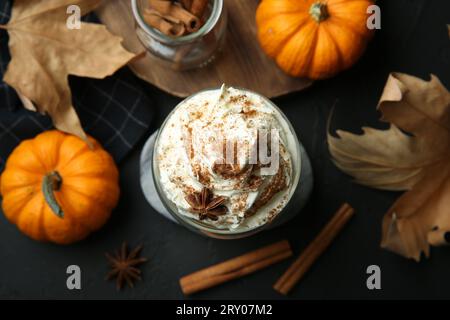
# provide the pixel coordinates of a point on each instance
(413, 39)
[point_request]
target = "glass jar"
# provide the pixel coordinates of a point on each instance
(185, 52)
(300, 189)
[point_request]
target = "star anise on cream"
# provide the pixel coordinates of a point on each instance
(206, 205)
(123, 266)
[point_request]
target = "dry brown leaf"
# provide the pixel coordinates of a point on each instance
(44, 52)
(27, 103)
(418, 161)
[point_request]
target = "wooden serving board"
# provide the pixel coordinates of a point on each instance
(242, 62)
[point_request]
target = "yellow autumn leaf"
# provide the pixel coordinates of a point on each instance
(413, 154)
(44, 51)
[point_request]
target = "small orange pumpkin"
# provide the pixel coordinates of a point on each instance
(313, 38)
(55, 188)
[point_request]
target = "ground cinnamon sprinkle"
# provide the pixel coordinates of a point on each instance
(237, 99)
(254, 182)
(191, 147)
(196, 115)
(277, 185)
(204, 177)
(241, 203)
(250, 113)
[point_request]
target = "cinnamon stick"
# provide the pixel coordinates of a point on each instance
(168, 18)
(298, 269)
(167, 8)
(168, 28)
(198, 8)
(235, 268)
(186, 4)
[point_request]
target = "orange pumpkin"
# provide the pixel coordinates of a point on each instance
(55, 188)
(313, 38)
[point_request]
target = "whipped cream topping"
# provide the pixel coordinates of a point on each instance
(235, 144)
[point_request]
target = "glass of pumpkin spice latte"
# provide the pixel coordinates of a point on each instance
(226, 163)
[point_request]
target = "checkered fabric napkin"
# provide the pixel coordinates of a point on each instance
(114, 110)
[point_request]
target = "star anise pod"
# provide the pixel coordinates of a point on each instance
(123, 266)
(205, 205)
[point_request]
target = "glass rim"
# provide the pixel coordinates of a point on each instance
(207, 26)
(203, 227)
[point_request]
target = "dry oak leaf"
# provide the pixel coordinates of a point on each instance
(44, 51)
(413, 154)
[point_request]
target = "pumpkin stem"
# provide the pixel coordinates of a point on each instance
(319, 11)
(51, 183)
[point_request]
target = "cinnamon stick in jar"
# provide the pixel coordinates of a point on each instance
(170, 28)
(167, 18)
(235, 268)
(186, 4)
(174, 10)
(198, 8)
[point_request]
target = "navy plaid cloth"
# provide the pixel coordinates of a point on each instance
(114, 110)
